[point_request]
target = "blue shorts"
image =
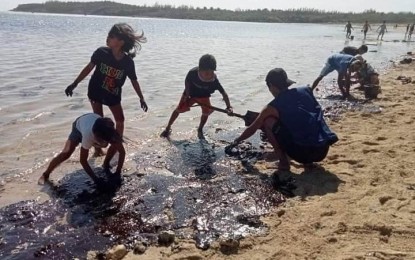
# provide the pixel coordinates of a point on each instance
(75, 136)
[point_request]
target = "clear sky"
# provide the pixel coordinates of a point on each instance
(342, 5)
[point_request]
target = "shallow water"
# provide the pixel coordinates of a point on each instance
(165, 183)
(42, 54)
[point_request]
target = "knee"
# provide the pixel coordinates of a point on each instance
(65, 155)
(269, 123)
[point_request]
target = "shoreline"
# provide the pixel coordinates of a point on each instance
(370, 216)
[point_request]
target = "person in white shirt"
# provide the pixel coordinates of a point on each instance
(90, 130)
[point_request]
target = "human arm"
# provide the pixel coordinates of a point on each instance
(84, 72)
(137, 89)
(83, 158)
(121, 156)
(258, 123)
(315, 83)
(227, 102)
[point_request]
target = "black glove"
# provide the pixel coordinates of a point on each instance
(69, 89)
(143, 105)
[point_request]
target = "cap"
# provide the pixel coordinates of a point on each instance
(278, 77)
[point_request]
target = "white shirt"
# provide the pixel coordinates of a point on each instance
(84, 125)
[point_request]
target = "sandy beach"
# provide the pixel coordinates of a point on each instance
(361, 205)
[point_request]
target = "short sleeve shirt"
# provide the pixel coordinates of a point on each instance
(340, 62)
(199, 88)
(109, 76)
(84, 125)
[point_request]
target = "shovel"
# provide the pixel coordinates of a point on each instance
(248, 118)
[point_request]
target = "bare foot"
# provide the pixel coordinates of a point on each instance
(43, 179)
(166, 133)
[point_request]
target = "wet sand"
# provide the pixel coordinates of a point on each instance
(361, 206)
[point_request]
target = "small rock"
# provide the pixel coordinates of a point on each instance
(116, 253)
(332, 240)
(139, 248)
(91, 255)
(166, 237)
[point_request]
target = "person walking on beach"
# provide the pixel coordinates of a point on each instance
(411, 31)
(293, 123)
(344, 64)
(348, 28)
(200, 83)
(90, 130)
(366, 27)
(113, 64)
(355, 51)
(407, 30)
(382, 29)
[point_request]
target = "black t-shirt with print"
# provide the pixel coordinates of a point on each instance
(109, 76)
(199, 88)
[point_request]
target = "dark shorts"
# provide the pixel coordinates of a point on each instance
(300, 153)
(75, 136)
(99, 96)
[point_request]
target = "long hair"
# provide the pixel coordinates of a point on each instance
(132, 40)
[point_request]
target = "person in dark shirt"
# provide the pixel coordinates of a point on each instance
(200, 83)
(354, 51)
(113, 64)
(293, 123)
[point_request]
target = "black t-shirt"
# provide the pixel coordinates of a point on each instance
(350, 50)
(109, 76)
(199, 88)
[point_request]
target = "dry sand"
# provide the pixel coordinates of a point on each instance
(362, 206)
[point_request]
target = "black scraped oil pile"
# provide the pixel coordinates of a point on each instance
(202, 198)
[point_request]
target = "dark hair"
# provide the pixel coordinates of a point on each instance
(207, 62)
(104, 129)
(363, 48)
(132, 40)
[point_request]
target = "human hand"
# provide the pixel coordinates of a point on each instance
(143, 105)
(69, 89)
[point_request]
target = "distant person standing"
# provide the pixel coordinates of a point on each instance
(411, 31)
(366, 27)
(382, 29)
(407, 30)
(348, 28)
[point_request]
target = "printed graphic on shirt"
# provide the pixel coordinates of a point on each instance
(112, 75)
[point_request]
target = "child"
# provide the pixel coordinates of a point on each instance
(200, 83)
(113, 65)
(382, 29)
(344, 64)
(90, 130)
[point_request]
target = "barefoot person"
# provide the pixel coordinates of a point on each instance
(200, 83)
(90, 130)
(113, 64)
(293, 123)
(344, 64)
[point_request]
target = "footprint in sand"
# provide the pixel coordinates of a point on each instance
(370, 143)
(365, 151)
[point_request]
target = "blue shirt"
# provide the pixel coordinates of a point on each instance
(340, 62)
(301, 116)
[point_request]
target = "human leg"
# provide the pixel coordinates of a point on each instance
(97, 109)
(118, 114)
(283, 161)
(67, 151)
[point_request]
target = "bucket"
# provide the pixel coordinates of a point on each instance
(371, 91)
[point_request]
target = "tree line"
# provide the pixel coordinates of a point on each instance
(302, 15)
